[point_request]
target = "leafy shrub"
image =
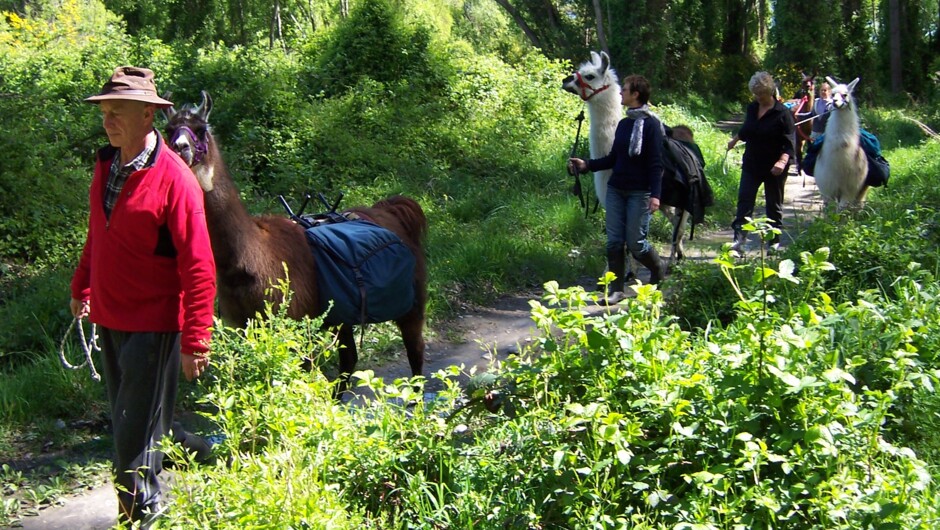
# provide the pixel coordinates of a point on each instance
(615, 420)
(374, 42)
(873, 248)
(697, 297)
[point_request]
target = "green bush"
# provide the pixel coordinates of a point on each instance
(374, 42)
(615, 420)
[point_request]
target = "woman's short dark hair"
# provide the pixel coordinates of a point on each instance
(638, 83)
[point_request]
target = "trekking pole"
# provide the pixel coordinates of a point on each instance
(576, 189)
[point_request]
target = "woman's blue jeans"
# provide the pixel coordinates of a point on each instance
(628, 222)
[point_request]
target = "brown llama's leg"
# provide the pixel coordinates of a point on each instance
(348, 357)
(412, 334)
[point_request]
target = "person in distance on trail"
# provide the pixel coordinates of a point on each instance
(146, 276)
(635, 186)
(821, 109)
(769, 135)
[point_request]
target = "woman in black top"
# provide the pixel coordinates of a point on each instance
(768, 131)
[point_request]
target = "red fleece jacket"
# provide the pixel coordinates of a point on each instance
(150, 267)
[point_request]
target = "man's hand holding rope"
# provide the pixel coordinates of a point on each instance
(193, 365)
(79, 308)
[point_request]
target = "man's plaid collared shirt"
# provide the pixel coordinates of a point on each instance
(119, 174)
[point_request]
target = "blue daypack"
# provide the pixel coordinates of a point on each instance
(879, 170)
(364, 269)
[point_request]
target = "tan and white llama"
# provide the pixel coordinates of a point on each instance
(841, 166)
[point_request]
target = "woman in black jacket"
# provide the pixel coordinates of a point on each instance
(768, 132)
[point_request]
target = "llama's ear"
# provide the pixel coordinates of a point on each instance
(605, 61)
(832, 82)
(168, 113)
(205, 107)
(595, 58)
(852, 84)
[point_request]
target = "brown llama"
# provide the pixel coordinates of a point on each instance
(251, 251)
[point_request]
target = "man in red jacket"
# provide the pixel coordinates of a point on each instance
(147, 278)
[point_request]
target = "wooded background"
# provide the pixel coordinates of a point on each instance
(686, 45)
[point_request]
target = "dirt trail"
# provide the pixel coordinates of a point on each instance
(477, 338)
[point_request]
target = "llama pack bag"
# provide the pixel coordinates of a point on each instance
(879, 169)
(364, 269)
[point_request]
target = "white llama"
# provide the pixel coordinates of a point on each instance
(596, 83)
(841, 166)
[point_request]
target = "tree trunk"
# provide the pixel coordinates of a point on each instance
(894, 44)
(275, 32)
(517, 17)
(552, 15)
(762, 20)
(344, 8)
(601, 36)
(732, 40)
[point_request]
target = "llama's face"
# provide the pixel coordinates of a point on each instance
(184, 133)
(592, 77)
(187, 133)
(842, 94)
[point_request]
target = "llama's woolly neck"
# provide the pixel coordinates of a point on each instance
(605, 106)
(605, 112)
(843, 123)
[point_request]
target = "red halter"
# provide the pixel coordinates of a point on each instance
(585, 87)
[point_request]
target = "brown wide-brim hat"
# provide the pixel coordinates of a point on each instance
(131, 83)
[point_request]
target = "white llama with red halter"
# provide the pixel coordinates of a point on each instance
(841, 166)
(596, 83)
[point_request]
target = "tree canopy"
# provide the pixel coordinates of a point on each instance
(703, 46)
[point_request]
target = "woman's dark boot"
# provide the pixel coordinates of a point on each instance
(657, 268)
(616, 263)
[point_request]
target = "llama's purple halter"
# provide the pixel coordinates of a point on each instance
(199, 147)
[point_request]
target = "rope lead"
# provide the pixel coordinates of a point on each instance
(87, 346)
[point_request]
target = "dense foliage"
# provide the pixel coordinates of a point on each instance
(682, 45)
(786, 418)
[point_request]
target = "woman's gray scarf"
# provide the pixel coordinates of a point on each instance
(639, 116)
